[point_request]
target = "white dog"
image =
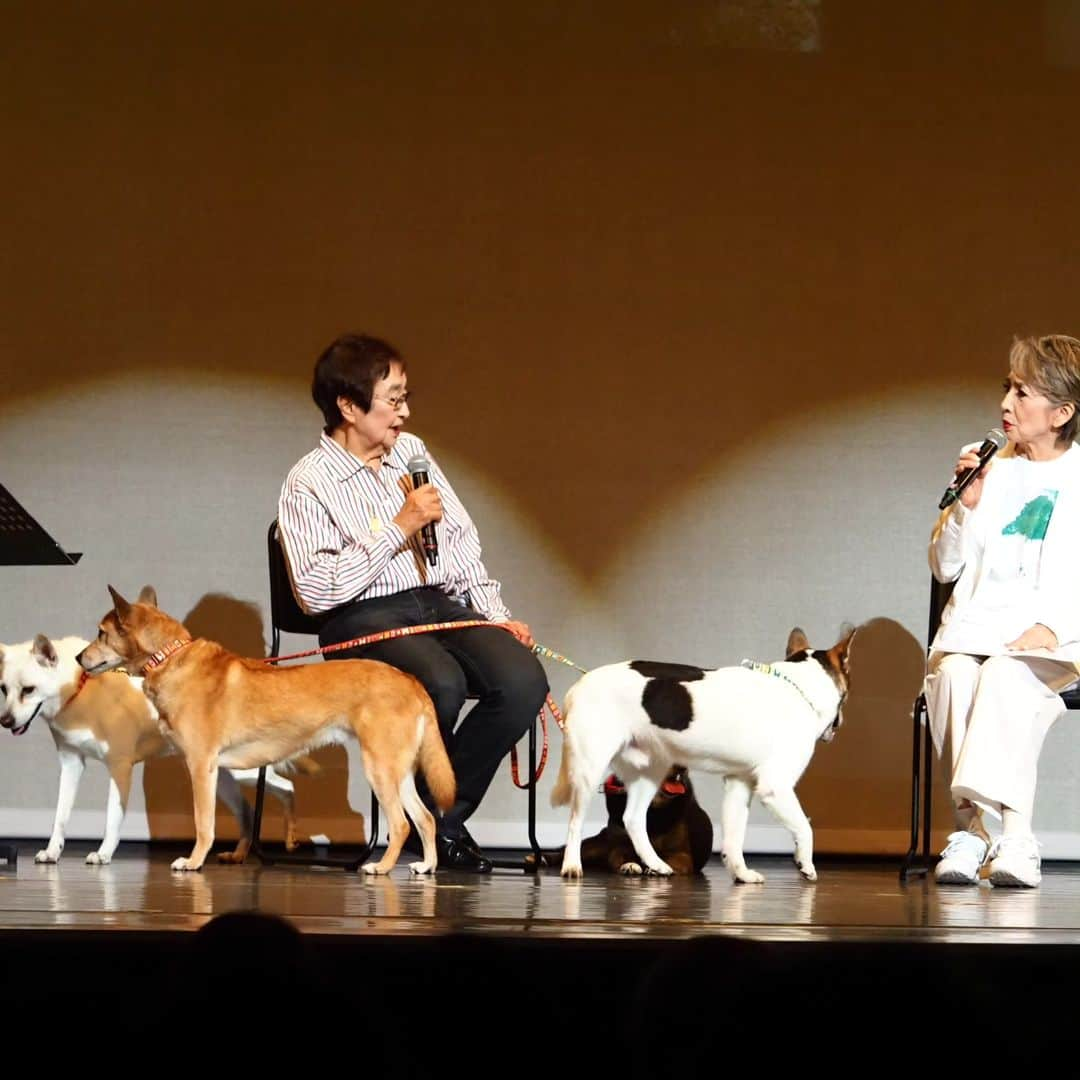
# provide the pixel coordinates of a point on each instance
(111, 720)
(756, 725)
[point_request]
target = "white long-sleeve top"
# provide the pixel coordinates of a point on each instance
(1015, 558)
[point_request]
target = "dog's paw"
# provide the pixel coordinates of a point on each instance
(746, 876)
(807, 870)
(185, 864)
(661, 869)
(95, 858)
(47, 856)
(230, 857)
(421, 868)
(373, 869)
(632, 869)
(571, 871)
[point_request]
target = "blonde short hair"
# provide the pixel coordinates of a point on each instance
(1051, 364)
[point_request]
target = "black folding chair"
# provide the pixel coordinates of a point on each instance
(916, 863)
(286, 615)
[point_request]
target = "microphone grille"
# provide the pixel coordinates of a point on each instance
(421, 464)
(997, 437)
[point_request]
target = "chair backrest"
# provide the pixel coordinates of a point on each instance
(285, 613)
(940, 591)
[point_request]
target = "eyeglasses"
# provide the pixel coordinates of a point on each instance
(396, 401)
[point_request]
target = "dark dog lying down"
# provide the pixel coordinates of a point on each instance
(680, 830)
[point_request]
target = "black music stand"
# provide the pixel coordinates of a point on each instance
(23, 542)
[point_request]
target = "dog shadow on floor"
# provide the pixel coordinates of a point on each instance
(322, 803)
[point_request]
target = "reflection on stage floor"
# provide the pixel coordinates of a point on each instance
(852, 900)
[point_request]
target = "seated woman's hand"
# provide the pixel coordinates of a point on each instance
(1035, 637)
(969, 498)
(422, 505)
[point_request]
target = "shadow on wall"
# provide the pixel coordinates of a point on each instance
(860, 783)
(322, 805)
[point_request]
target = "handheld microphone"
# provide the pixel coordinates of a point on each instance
(994, 441)
(418, 468)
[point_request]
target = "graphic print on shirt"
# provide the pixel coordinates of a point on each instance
(1024, 535)
(1033, 519)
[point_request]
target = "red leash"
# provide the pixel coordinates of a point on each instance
(430, 628)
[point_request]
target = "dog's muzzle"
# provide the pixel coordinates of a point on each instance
(828, 734)
(100, 668)
(22, 729)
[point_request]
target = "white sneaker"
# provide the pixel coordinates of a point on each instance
(1014, 860)
(961, 859)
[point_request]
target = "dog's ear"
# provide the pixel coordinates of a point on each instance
(840, 651)
(796, 641)
(147, 595)
(120, 605)
(45, 652)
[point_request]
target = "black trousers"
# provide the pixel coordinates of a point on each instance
(483, 662)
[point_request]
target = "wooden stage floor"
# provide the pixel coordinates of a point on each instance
(852, 901)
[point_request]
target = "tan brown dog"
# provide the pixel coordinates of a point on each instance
(224, 710)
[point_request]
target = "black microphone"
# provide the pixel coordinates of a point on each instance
(994, 441)
(418, 467)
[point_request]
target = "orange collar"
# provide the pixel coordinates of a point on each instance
(158, 658)
(84, 678)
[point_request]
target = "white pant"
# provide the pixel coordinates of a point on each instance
(997, 711)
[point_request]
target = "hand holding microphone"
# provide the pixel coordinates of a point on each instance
(967, 484)
(423, 507)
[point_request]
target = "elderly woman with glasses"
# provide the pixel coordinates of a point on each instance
(1009, 639)
(353, 528)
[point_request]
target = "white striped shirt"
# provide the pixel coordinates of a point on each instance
(336, 520)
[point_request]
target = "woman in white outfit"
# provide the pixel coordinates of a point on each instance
(1009, 639)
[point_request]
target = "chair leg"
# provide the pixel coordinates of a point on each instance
(523, 863)
(928, 787)
(921, 790)
(288, 859)
(533, 843)
(256, 823)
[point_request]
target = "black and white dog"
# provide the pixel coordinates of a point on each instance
(756, 725)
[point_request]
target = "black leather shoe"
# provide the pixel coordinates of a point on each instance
(454, 852)
(457, 853)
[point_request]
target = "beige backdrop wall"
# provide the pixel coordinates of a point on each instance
(699, 300)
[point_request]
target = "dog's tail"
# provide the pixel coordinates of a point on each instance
(560, 793)
(434, 762)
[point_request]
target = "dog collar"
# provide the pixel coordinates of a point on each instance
(770, 669)
(614, 786)
(158, 658)
(84, 678)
